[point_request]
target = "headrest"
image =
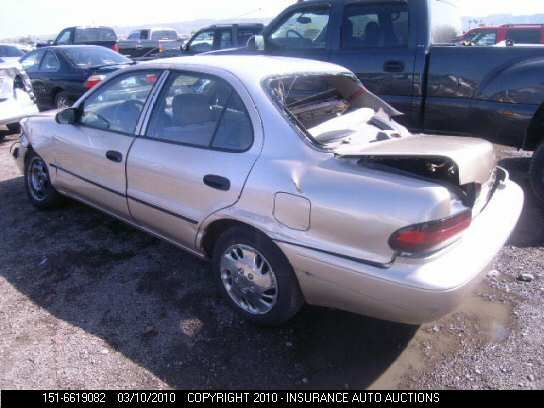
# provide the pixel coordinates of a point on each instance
(191, 109)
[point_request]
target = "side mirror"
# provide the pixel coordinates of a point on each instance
(256, 43)
(67, 116)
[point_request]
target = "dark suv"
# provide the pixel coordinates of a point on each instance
(104, 36)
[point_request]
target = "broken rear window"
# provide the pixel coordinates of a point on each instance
(334, 108)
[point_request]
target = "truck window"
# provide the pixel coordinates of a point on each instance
(485, 38)
(375, 25)
(244, 34)
(225, 39)
(94, 34)
(135, 35)
(202, 42)
(164, 35)
(524, 36)
(445, 21)
(303, 29)
(64, 37)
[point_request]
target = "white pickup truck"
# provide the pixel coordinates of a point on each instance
(142, 42)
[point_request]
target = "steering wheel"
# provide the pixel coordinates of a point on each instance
(294, 32)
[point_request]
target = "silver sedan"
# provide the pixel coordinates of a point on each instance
(296, 182)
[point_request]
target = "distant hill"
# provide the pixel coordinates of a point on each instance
(500, 19)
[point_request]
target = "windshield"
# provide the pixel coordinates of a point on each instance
(93, 57)
(94, 34)
(334, 109)
(10, 51)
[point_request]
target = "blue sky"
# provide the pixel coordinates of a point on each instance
(36, 17)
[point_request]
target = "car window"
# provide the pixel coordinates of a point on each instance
(244, 34)
(377, 25)
(202, 111)
(50, 63)
(64, 37)
(225, 39)
(117, 105)
(524, 36)
(31, 61)
(305, 29)
(202, 42)
(10, 51)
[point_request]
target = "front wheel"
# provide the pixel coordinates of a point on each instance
(537, 173)
(38, 184)
(255, 277)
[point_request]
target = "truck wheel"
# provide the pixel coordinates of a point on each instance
(38, 184)
(537, 173)
(255, 277)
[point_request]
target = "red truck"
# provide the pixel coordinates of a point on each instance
(517, 33)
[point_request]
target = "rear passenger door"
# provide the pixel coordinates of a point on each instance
(200, 144)
(377, 42)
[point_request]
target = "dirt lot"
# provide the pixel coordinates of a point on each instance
(87, 302)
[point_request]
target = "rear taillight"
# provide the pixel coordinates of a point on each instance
(431, 235)
(94, 80)
(115, 47)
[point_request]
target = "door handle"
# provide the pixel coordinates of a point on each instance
(114, 156)
(217, 182)
(393, 66)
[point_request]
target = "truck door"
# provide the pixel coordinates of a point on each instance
(377, 42)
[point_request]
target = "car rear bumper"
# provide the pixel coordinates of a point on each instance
(412, 291)
(13, 110)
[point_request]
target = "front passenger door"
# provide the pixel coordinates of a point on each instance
(91, 155)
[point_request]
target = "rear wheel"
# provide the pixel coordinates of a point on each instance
(255, 277)
(537, 173)
(38, 184)
(63, 101)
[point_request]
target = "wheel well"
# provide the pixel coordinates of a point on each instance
(214, 231)
(535, 132)
(56, 91)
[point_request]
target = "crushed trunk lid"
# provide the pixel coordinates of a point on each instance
(459, 159)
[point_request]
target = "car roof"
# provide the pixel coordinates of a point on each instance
(64, 47)
(248, 68)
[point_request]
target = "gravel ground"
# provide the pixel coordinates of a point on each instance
(88, 302)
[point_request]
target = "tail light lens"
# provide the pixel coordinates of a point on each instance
(431, 235)
(115, 47)
(94, 80)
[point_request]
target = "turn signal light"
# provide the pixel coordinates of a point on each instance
(94, 80)
(431, 235)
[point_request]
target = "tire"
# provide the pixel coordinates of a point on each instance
(14, 128)
(38, 186)
(537, 173)
(238, 281)
(63, 100)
